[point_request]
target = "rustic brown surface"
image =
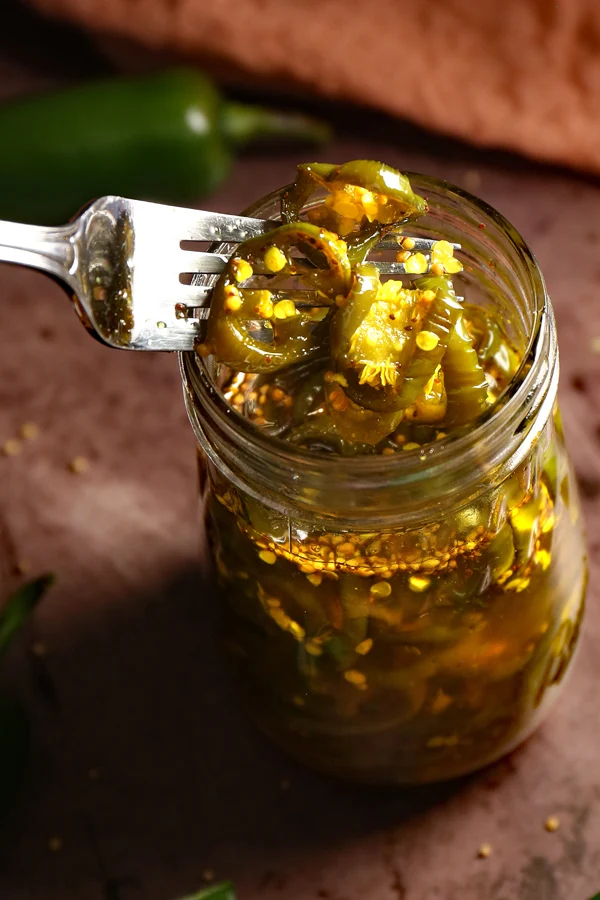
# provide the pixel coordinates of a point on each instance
(130, 686)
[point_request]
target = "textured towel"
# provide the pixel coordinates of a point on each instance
(517, 74)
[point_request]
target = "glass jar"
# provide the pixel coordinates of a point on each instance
(404, 618)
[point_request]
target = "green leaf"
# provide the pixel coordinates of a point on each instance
(222, 891)
(595, 897)
(18, 608)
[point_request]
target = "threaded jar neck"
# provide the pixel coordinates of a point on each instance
(411, 488)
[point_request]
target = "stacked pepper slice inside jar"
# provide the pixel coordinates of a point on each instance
(370, 355)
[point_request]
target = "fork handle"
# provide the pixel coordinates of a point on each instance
(49, 249)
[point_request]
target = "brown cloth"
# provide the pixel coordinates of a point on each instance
(518, 74)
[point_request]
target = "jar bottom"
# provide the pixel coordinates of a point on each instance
(407, 776)
(392, 755)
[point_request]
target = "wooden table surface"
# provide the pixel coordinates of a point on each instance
(145, 776)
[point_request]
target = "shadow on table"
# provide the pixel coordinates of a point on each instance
(143, 708)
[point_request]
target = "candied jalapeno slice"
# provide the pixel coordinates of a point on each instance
(500, 552)
(465, 381)
(373, 335)
(495, 352)
(442, 314)
(430, 406)
(389, 341)
(385, 180)
(358, 191)
(234, 308)
(356, 424)
(322, 433)
(464, 378)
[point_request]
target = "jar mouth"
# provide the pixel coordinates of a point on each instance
(486, 442)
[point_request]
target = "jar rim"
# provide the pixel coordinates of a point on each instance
(537, 376)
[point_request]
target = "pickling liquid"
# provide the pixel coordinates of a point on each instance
(406, 656)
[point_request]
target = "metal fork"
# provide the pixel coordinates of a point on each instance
(122, 262)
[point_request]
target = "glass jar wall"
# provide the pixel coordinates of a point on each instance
(404, 618)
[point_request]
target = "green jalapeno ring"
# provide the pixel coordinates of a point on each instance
(233, 306)
(367, 174)
(414, 366)
(466, 384)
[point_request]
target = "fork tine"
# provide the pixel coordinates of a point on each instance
(219, 226)
(393, 268)
(192, 294)
(214, 263)
(392, 242)
(198, 299)
(203, 225)
(202, 313)
(197, 224)
(192, 262)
